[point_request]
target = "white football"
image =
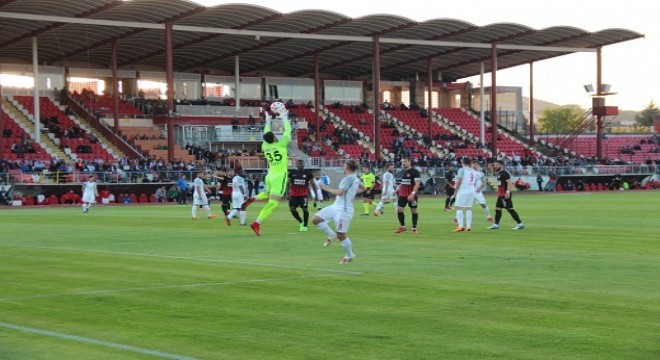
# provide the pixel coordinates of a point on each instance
(277, 107)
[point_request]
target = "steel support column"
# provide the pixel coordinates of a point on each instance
(599, 92)
(317, 99)
(2, 124)
(115, 84)
(169, 75)
(482, 111)
(531, 104)
(35, 75)
(376, 81)
(429, 72)
(237, 82)
(493, 99)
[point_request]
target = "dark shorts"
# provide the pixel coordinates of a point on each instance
(449, 191)
(402, 201)
(226, 200)
(298, 201)
(369, 195)
(503, 203)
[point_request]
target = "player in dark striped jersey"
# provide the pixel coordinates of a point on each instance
(300, 181)
(410, 183)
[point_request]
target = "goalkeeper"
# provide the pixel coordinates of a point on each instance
(275, 151)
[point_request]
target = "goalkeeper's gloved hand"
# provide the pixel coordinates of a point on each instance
(284, 115)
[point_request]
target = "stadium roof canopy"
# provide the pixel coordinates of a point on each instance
(208, 39)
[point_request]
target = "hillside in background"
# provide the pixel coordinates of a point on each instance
(625, 117)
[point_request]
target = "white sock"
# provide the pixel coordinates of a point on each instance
(486, 211)
(468, 218)
(348, 249)
(459, 217)
(242, 215)
(194, 211)
(207, 210)
(232, 213)
(323, 226)
(84, 206)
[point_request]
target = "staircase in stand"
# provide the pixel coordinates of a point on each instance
(48, 145)
(586, 120)
(103, 141)
(152, 142)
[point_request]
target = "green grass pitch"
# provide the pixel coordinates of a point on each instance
(582, 281)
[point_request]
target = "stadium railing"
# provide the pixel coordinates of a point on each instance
(257, 164)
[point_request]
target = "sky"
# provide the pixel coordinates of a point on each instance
(630, 67)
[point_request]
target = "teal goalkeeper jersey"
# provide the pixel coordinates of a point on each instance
(277, 154)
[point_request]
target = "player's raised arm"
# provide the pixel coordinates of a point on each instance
(286, 135)
(267, 126)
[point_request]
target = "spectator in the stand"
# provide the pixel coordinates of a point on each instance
(616, 182)
(161, 194)
(539, 181)
(403, 106)
(70, 198)
(7, 133)
(234, 124)
(551, 185)
(521, 185)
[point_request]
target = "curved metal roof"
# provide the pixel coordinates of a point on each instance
(62, 43)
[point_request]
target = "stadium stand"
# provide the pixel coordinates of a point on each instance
(19, 145)
(102, 104)
(69, 135)
(636, 149)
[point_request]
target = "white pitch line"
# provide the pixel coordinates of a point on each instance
(190, 258)
(146, 288)
(87, 340)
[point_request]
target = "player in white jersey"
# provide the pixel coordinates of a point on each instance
(199, 197)
(318, 195)
(465, 180)
(341, 211)
(238, 197)
(387, 193)
(479, 186)
(90, 193)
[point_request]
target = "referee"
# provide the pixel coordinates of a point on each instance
(369, 181)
